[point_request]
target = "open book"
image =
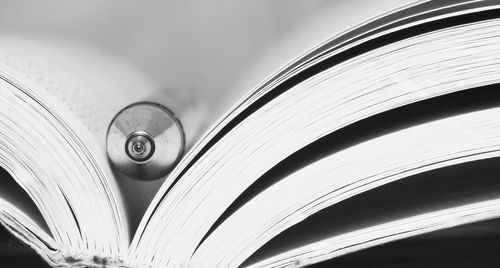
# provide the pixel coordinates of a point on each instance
(282, 179)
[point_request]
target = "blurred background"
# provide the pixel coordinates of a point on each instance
(207, 45)
(218, 49)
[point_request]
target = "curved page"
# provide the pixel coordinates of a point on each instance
(345, 93)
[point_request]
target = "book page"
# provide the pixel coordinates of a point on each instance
(22, 226)
(350, 172)
(291, 48)
(83, 87)
(93, 83)
(229, 164)
(384, 233)
(12, 192)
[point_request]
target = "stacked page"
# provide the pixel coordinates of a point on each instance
(419, 79)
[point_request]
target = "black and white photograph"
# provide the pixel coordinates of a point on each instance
(253, 134)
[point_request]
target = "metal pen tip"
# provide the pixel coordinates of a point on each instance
(145, 140)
